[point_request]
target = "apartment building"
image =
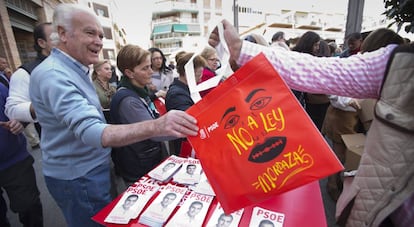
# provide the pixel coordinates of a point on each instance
(184, 24)
(178, 24)
(17, 21)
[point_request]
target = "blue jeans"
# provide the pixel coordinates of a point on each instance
(81, 198)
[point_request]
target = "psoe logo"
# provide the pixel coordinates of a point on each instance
(203, 134)
(212, 127)
(206, 131)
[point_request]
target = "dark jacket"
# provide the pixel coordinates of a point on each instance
(178, 96)
(135, 160)
(12, 147)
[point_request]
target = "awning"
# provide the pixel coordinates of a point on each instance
(161, 29)
(180, 28)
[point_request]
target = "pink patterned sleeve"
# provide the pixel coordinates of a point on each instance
(358, 76)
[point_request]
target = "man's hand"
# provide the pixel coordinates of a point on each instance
(177, 123)
(13, 126)
(231, 37)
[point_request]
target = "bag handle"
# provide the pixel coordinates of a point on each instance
(222, 73)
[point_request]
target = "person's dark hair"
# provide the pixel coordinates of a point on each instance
(250, 39)
(131, 196)
(324, 49)
(380, 38)
(256, 38)
(164, 67)
(171, 194)
(306, 42)
(225, 215)
(39, 33)
(196, 203)
(277, 36)
(265, 222)
(354, 36)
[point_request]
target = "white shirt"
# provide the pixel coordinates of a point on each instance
(341, 102)
(18, 103)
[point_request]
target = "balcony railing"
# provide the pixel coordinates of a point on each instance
(168, 6)
(175, 20)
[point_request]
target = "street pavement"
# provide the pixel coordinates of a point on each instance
(53, 216)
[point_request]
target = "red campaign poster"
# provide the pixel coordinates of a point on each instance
(255, 140)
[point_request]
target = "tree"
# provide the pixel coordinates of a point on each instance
(401, 12)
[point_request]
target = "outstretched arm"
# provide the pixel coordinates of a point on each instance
(174, 123)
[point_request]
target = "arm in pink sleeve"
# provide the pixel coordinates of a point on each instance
(358, 76)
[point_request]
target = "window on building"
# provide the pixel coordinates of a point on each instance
(25, 51)
(101, 10)
(109, 54)
(207, 4)
(194, 18)
(218, 4)
(107, 33)
(207, 16)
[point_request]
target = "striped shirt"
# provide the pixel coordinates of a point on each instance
(358, 76)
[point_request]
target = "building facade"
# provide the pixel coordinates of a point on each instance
(18, 19)
(185, 24)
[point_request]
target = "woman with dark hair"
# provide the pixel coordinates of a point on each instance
(308, 43)
(324, 49)
(380, 38)
(315, 104)
(162, 75)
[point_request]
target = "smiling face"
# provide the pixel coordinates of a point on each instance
(84, 40)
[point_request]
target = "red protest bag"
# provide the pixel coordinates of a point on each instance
(255, 140)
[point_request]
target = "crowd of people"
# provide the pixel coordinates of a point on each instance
(66, 98)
